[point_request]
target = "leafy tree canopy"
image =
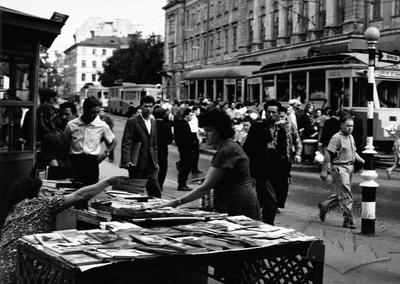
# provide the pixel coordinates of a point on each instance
(140, 63)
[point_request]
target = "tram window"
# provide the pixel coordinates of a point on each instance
(388, 93)
(317, 85)
(299, 82)
(283, 88)
(360, 92)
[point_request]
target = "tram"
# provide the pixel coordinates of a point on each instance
(126, 94)
(100, 92)
(338, 81)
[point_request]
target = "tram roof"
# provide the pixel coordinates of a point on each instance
(322, 60)
(222, 72)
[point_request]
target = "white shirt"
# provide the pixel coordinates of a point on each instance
(147, 122)
(86, 138)
(194, 124)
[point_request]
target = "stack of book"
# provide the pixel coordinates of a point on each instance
(64, 186)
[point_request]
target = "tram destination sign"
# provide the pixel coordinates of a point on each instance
(389, 57)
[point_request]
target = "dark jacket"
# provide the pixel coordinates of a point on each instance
(183, 135)
(164, 137)
(135, 131)
(263, 158)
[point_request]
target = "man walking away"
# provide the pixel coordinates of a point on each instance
(164, 138)
(139, 147)
(184, 141)
(341, 153)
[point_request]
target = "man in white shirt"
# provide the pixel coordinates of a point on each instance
(194, 128)
(139, 147)
(85, 134)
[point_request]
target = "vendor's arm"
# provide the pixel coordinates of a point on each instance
(213, 176)
(87, 192)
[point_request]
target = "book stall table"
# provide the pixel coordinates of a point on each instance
(133, 242)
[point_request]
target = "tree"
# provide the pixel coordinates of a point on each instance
(140, 63)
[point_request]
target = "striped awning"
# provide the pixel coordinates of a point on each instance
(221, 72)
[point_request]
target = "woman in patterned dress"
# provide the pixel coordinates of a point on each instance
(34, 212)
(229, 174)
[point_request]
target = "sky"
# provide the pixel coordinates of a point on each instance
(148, 15)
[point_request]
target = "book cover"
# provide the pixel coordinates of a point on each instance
(150, 240)
(117, 253)
(64, 248)
(78, 237)
(46, 238)
(103, 236)
(80, 259)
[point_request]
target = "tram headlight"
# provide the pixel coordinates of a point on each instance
(362, 72)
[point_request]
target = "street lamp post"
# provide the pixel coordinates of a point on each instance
(369, 185)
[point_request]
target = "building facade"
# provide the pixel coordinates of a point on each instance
(101, 27)
(211, 44)
(84, 61)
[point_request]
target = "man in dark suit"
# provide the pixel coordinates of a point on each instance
(164, 138)
(139, 147)
(184, 141)
(264, 163)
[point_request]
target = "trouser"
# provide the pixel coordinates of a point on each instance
(152, 186)
(280, 182)
(196, 152)
(341, 179)
(87, 168)
(186, 162)
(162, 173)
(87, 171)
(267, 200)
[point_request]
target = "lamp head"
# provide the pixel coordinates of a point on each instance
(372, 34)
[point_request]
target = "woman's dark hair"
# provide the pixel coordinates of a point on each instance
(25, 188)
(220, 120)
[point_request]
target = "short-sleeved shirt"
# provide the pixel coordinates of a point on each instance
(344, 147)
(86, 138)
(234, 193)
(30, 216)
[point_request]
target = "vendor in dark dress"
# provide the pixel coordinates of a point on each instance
(229, 174)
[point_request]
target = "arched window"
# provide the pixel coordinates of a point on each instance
(275, 17)
(304, 16)
(251, 23)
(262, 24)
(321, 14)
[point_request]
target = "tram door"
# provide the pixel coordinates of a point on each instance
(339, 93)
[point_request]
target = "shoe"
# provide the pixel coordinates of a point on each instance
(196, 172)
(322, 213)
(184, 188)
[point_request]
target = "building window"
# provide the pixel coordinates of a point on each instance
(262, 24)
(289, 23)
(219, 8)
(93, 77)
(94, 64)
(185, 55)
(321, 14)
(396, 11)
(197, 48)
(93, 51)
(376, 9)
(187, 21)
(340, 12)
(226, 41)
(211, 48)
(275, 24)
(250, 26)
(104, 52)
(234, 37)
(218, 39)
(83, 77)
(83, 63)
(303, 17)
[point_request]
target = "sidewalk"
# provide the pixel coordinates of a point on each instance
(349, 256)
